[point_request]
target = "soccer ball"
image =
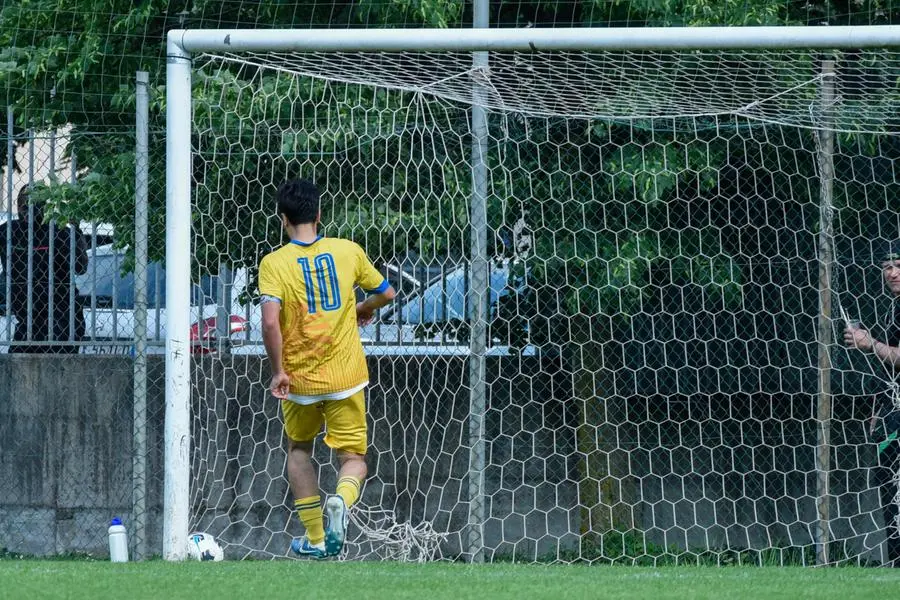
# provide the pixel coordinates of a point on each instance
(202, 546)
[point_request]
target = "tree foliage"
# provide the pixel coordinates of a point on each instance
(598, 207)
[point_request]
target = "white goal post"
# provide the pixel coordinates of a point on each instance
(182, 45)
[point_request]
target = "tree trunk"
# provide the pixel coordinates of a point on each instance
(608, 492)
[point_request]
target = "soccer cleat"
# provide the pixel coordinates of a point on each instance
(302, 547)
(336, 532)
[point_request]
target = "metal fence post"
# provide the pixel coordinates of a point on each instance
(825, 156)
(51, 253)
(224, 286)
(479, 295)
(139, 460)
(74, 304)
(29, 311)
(10, 165)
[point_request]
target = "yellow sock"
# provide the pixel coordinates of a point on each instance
(309, 511)
(348, 488)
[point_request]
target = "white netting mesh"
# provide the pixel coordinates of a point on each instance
(379, 533)
(652, 373)
(775, 86)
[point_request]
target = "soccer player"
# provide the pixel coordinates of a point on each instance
(319, 371)
(886, 421)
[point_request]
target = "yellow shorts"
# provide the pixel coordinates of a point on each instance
(344, 420)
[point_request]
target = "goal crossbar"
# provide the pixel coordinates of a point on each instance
(525, 40)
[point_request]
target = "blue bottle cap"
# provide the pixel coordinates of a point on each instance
(116, 521)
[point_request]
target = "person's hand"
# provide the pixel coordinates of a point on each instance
(857, 337)
(364, 314)
(280, 385)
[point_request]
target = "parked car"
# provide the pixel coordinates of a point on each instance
(436, 319)
(426, 319)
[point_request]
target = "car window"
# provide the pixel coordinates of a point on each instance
(207, 292)
(104, 279)
(446, 298)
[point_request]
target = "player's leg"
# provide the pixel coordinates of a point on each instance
(884, 476)
(38, 334)
(18, 336)
(301, 425)
(61, 327)
(345, 432)
(352, 474)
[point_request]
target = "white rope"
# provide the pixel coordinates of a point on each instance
(402, 542)
(600, 85)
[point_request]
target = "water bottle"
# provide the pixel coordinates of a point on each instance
(118, 541)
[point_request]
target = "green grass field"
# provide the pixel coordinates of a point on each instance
(311, 580)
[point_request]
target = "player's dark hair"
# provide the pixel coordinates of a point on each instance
(298, 200)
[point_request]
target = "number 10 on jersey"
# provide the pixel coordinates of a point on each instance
(324, 291)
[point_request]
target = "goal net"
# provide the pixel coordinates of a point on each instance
(673, 240)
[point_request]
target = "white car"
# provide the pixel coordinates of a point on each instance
(109, 300)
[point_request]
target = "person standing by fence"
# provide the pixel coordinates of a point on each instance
(60, 264)
(886, 421)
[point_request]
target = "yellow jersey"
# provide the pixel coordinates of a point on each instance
(315, 284)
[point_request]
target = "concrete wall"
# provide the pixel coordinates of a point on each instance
(65, 450)
(708, 472)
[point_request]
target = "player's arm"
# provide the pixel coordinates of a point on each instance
(863, 339)
(375, 285)
(270, 302)
(890, 355)
(271, 329)
(365, 310)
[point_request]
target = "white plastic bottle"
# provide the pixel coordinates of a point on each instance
(118, 541)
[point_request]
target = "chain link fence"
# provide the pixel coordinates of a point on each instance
(83, 407)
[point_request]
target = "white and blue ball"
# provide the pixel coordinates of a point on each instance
(203, 547)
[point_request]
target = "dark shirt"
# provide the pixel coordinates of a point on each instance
(888, 413)
(40, 277)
